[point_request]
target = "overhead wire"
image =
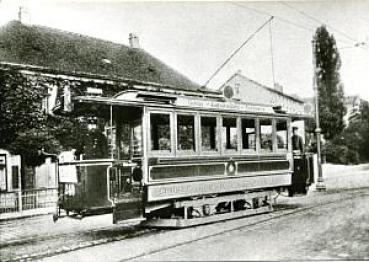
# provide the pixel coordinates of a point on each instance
(237, 50)
(322, 22)
(275, 16)
(284, 20)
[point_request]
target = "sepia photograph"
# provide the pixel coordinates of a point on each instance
(184, 130)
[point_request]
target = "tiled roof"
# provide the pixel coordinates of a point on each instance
(75, 53)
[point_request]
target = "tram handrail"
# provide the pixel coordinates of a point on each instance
(108, 184)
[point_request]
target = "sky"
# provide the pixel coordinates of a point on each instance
(195, 38)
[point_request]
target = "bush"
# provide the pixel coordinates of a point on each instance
(340, 154)
(336, 154)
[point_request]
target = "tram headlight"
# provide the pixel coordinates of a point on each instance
(137, 174)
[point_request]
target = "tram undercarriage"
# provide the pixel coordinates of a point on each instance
(209, 209)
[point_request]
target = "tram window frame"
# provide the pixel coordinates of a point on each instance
(287, 135)
(272, 133)
(171, 138)
(194, 135)
(216, 134)
(223, 147)
(242, 138)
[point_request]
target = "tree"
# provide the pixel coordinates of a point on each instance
(331, 95)
(23, 124)
(25, 127)
(357, 133)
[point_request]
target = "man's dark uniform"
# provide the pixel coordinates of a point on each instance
(300, 174)
(297, 143)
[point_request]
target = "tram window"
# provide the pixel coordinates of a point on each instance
(160, 132)
(137, 138)
(266, 134)
(208, 133)
(229, 133)
(281, 128)
(124, 145)
(185, 132)
(248, 134)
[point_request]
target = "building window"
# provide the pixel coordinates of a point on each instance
(15, 180)
(185, 132)
(266, 134)
(208, 133)
(45, 105)
(160, 132)
(248, 134)
(229, 133)
(237, 88)
(3, 172)
(282, 134)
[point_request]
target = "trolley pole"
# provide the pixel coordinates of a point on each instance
(320, 186)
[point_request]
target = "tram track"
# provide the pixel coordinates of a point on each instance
(135, 231)
(293, 211)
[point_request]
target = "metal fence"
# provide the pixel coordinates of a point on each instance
(30, 199)
(9, 202)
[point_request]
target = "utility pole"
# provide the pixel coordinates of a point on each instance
(320, 186)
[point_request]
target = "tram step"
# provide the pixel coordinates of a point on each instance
(127, 210)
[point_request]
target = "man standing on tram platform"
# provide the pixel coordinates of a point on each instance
(300, 175)
(297, 142)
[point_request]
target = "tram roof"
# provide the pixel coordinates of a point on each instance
(51, 49)
(198, 103)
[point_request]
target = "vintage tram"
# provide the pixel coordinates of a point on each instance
(182, 158)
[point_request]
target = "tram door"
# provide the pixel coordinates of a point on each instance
(125, 179)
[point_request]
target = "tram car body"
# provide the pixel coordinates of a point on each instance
(184, 158)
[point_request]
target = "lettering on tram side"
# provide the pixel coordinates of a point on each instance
(167, 191)
(181, 101)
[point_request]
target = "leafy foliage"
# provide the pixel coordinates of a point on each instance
(27, 145)
(357, 133)
(20, 106)
(23, 124)
(25, 128)
(331, 95)
(338, 152)
(352, 146)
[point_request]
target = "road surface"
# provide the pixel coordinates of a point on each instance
(332, 225)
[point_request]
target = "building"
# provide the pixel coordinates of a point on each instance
(61, 62)
(249, 90)
(352, 104)
(242, 88)
(10, 181)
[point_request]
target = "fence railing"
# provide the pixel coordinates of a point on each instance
(30, 199)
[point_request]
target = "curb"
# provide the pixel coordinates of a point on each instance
(21, 215)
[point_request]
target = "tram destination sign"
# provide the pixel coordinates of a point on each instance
(223, 106)
(193, 188)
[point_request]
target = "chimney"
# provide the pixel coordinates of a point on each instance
(278, 87)
(134, 41)
(24, 15)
